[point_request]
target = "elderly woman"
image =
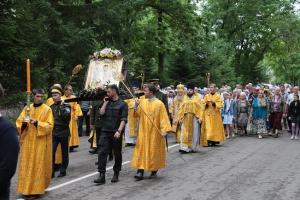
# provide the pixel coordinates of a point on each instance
(260, 112)
(276, 111)
(243, 110)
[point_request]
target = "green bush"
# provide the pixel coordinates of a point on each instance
(13, 100)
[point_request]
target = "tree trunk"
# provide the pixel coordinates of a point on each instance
(161, 54)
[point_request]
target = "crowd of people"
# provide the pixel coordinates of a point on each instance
(262, 110)
(195, 117)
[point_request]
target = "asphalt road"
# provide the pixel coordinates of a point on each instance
(243, 168)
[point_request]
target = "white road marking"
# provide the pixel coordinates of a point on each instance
(89, 175)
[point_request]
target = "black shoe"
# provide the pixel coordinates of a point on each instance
(115, 178)
(61, 174)
(211, 144)
(101, 179)
(30, 197)
(110, 158)
(153, 174)
(129, 145)
(93, 151)
(57, 167)
(139, 175)
(182, 151)
(21, 197)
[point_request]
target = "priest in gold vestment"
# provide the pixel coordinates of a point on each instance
(35, 163)
(212, 130)
(174, 108)
(190, 116)
(150, 150)
(132, 125)
(75, 113)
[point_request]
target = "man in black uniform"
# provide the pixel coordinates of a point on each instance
(96, 124)
(113, 113)
(61, 132)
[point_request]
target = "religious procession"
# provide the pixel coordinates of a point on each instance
(142, 116)
(149, 99)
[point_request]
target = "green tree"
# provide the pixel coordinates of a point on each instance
(251, 27)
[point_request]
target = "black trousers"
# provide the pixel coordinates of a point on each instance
(98, 133)
(4, 189)
(107, 142)
(289, 123)
(64, 142)
(85, 117)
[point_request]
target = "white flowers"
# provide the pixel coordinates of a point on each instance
(107, 53)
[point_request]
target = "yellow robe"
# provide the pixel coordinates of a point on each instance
(49, 101)
(190, 108)
(212, 127)
(174, 112)
(132, 121)
(150, 150)
(75, 112)
(35, 160)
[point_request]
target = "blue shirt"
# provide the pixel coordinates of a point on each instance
(259, 111)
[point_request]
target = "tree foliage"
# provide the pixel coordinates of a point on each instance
(176, 40)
